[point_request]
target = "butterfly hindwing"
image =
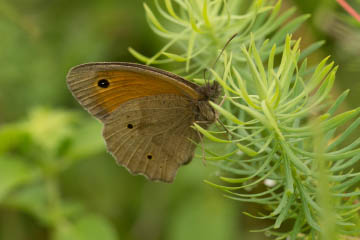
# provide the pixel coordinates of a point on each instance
(150, 135)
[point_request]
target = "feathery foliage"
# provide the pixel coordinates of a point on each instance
(283, 130)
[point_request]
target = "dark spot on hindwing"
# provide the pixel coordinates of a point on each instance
(149, 156)
(103, 83)
(130, 126)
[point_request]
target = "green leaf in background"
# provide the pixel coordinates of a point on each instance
(13, 173)
(212, 218)
(88, 139)
(87, 228)
(13, 136)
(49, 127)
(30, 199)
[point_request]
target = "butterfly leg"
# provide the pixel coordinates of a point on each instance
(223, 100)
(225, 128)
(218, 119)
(202, 147)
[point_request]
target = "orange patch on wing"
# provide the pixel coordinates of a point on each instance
(127, 85)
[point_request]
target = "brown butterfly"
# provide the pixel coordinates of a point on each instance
(147, 114)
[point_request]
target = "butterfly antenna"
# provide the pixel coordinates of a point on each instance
(218, 57)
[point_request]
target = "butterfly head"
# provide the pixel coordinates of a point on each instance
(211, 91)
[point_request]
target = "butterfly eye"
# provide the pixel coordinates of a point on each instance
(149, 157)
(130, 126)
(103, 83)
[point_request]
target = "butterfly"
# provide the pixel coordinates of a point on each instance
(147, 114)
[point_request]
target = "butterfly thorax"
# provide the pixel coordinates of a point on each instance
(205, 113)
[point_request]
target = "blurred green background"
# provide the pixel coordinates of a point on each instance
(41, 125)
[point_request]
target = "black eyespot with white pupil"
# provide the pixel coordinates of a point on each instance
(103, 83)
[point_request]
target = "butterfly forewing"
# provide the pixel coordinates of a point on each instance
(102, 87)
(151, 135)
